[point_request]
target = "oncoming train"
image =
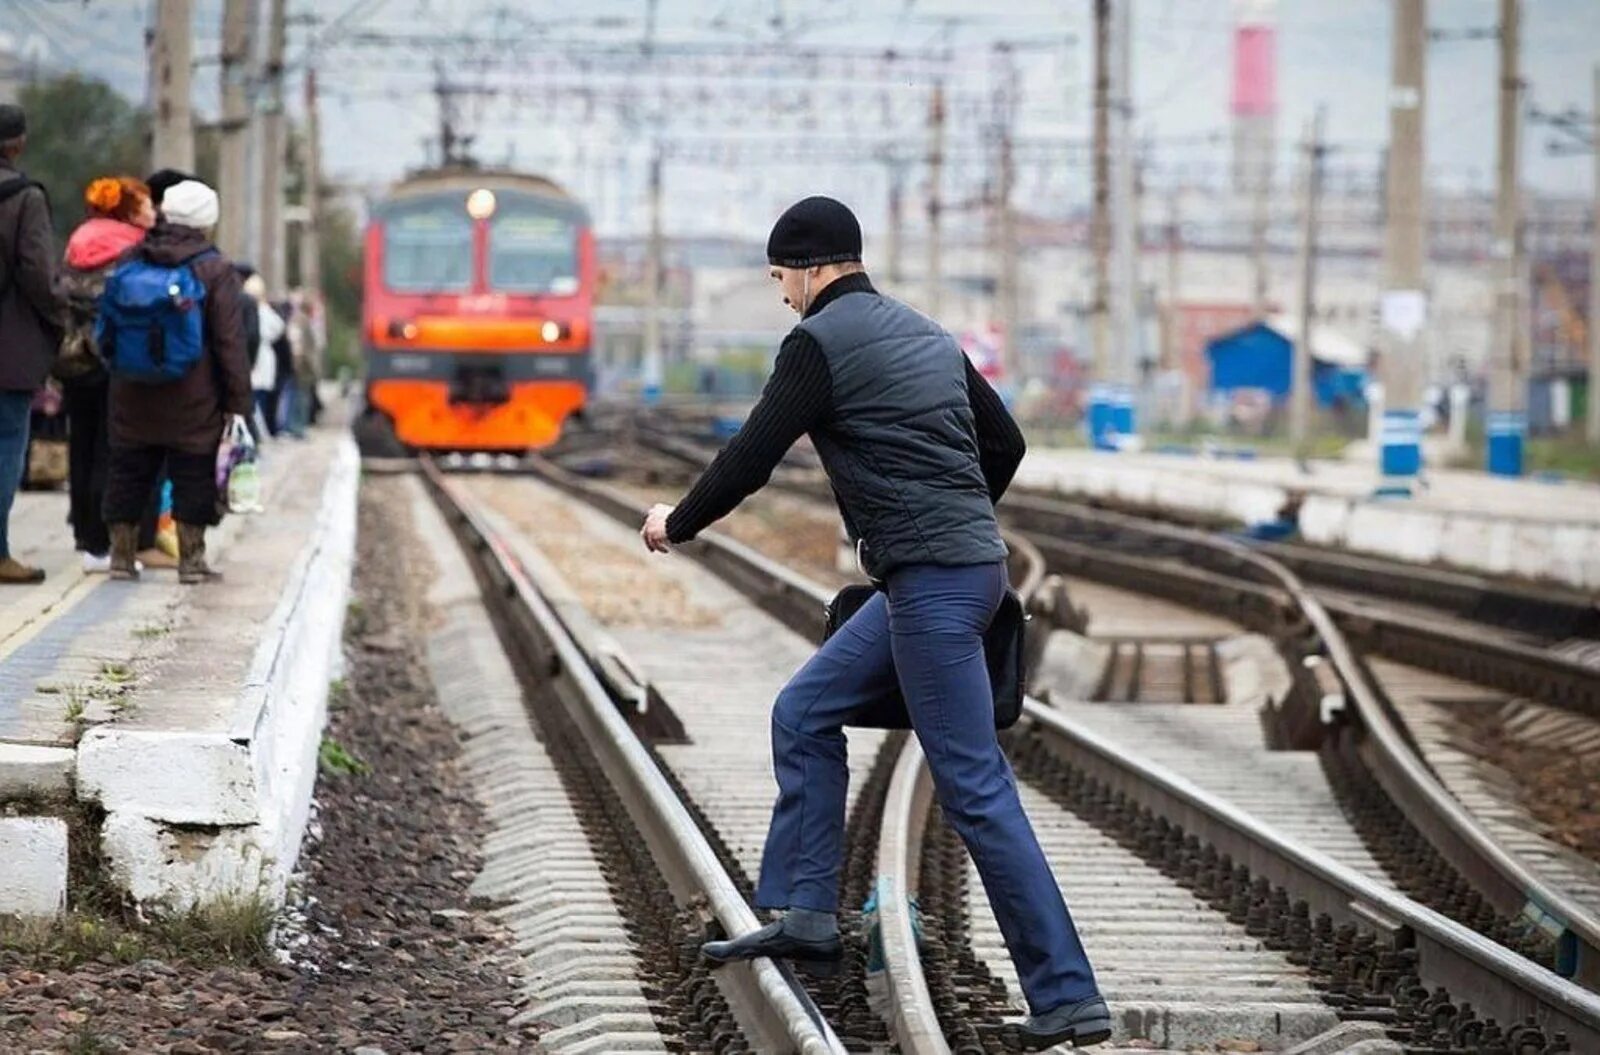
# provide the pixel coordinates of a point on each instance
(478, 310)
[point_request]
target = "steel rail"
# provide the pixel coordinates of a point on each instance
(799, 603)
(1561, 611)
(913, 1022)
(1471, 966)
(1499, 875)
(1450, 954)
(767, 999)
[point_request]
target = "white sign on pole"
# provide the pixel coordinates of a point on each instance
(1403, 312)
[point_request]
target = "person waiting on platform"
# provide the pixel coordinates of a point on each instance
(31, 302)
(177, 422)
(120, 212)
(918, 449)
(263, 360)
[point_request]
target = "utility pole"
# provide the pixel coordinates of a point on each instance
(311, 226)
(1171, 336)
(895, 242)
(1508, 360)
(272, 149)
(1260, 298)
(1404, 312)
(1007, 294)
(171, 56)
(1311, 196)
(653, 367)
(232, 228)
(1099, 409)
(936, 117)
(1124, 228)
(1593, 430)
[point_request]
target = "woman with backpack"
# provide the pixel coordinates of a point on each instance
(120, 212)
(173, 334)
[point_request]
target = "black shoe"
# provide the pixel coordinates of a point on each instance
(820, 958)
(1083, 1023)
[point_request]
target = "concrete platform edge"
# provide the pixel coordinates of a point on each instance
(1496, 542)
(233, 822)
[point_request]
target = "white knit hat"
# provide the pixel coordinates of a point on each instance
(191, 204)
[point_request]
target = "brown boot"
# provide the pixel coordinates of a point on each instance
(15, 573)
(124, 540)
(192, 566)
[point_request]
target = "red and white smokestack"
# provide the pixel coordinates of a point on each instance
(1254, 105)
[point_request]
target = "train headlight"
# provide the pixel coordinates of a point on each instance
(551, 332)
(481, 203)
(403, 331)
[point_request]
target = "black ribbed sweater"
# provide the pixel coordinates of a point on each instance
(798, 397)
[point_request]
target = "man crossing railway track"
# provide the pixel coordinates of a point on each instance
(918, 449)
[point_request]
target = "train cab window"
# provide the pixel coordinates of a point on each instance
(428, 247)
(532, 249)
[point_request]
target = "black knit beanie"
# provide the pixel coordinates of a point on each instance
(814, 231)
(163, 180)
(13, 121)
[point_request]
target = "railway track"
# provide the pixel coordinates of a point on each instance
(1502, 878)
(1353, 950)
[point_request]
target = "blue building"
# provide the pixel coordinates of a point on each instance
(1260, 357)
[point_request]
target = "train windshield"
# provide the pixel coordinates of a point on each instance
(428, 247)
(533, 248)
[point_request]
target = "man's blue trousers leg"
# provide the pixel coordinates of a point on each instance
(926, 636)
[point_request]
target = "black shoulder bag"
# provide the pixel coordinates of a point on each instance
(1002, 647)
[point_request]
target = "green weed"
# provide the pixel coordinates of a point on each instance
(337, 761)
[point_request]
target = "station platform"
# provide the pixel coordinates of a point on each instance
(1532, 529)
(176, 727)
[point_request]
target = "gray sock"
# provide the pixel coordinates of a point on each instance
(810, 925)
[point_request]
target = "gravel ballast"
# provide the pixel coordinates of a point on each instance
(383, 949)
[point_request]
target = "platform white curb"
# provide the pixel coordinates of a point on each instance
(30, 771)
(33, 866)
(195, 815)
(1498, 543)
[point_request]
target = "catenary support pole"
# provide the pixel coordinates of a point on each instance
(1403, 310)
(272, 153)
(653, 353)
(1593, 430)
(936, 119)
(311, 226)
(172, 117)
(1099, 403)
(1310, 202)
(1508, 421)
(234, 150)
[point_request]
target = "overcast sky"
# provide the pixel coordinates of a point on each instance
(378, 108)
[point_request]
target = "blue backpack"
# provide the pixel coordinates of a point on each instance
(151, 328)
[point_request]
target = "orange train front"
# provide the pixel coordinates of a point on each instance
(478, 310)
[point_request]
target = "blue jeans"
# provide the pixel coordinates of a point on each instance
(14, 411)
(926, 636)
(291, 411)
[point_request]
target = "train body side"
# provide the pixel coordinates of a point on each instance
(478, 311)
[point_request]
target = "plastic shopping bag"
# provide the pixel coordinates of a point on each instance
(238, 478)
(244, 487)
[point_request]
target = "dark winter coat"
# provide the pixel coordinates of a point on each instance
(32, 300)
(187, 415)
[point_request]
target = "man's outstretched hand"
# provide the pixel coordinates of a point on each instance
(654, 531)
